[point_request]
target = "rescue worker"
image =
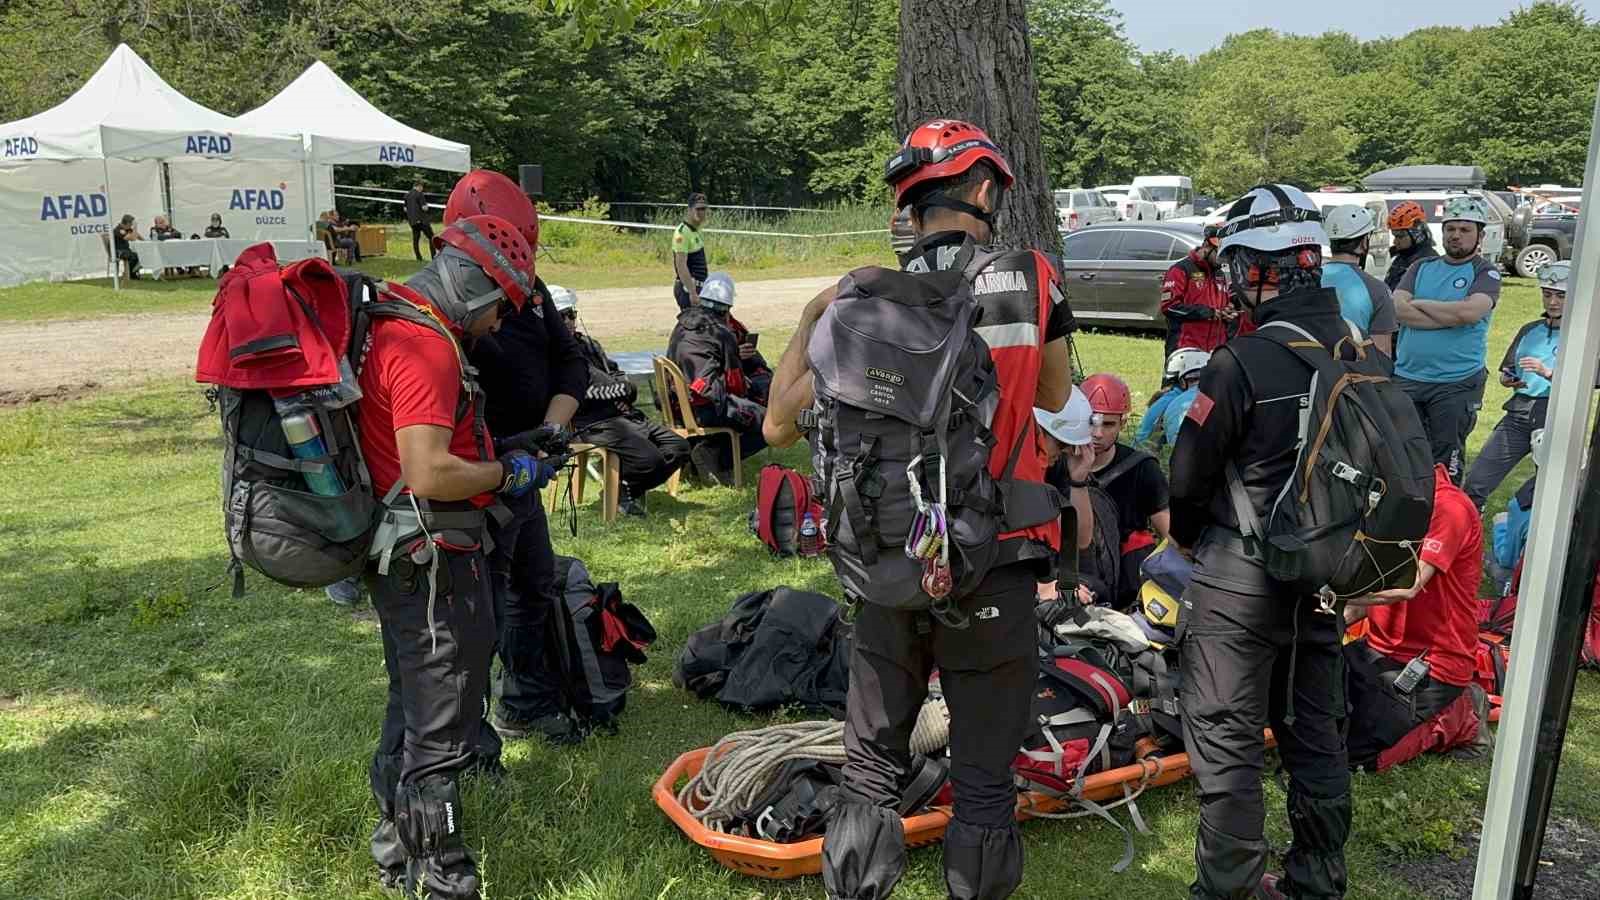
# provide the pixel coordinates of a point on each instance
(1411, 677)
(1164, 417)
(1253, 653)
(1364, 301)
(1527, 368)
(705, 347)
(1412, 240)
(422, 430)
(1068, 446)
(1131, 478)
(1444, 305)
(954, 178)
(757, 374)
(647, 451)
(533, 374)
(689, 253)
(1194, 299)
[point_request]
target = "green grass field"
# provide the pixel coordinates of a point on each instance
(161, 740)
(579, 256)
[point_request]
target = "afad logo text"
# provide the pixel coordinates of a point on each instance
(73, 208)
(396, 153)
(260, 200)
(208, 145)
(15, 147)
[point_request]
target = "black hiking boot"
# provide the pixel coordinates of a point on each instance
(556, 728)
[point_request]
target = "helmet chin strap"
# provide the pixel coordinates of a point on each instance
(945, 201)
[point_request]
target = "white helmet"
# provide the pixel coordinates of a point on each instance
(1465, 208)
(1348, 222)
(563, 298)
(1186, 361)
(1541, 453)
(717, 289)
(1554, 276)
(1273, 218)
(1069, 424)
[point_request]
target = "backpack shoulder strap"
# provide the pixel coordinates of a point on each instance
(1249, 522)
(1117, 470)
(406, 311)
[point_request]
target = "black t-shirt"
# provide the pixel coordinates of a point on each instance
(120, 237)
(1139, 492)
(216, 231)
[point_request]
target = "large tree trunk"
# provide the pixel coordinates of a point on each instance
(973, 60)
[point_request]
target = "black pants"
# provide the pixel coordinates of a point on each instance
(524, 566)
(349, 244)
(1249, 661)
(433, 725)
(418, 229)
(680, 294)
(1449, 412)
(132, 259)
(1381, 716)
(648, 451)
(1511, 440)
(987, 673)
(751, 440)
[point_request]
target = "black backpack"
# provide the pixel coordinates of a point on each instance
(601, 636)
(274, 521)
(1352, 516)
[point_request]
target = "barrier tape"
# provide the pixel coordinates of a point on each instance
(646, 225)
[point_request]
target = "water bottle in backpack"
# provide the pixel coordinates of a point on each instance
(810, 537)
(300, 429)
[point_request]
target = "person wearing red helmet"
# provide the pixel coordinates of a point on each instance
(433, 465)
(533, 373)
(954, 179)
(1132, 479)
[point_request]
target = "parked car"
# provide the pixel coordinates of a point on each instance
(1174, 194)
(1082, 207)
(1113, 272)
(1494, 234)
(1431, 186)
(1540, 234)
(1205, 203)
(1133, 203)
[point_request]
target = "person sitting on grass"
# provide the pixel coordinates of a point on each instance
(1411, 688)
(1165, 416)
(705, 348)
(1131, 478)
(1068, 445)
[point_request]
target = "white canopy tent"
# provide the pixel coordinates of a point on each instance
(342, 128)
(61, 185)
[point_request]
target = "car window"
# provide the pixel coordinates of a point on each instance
(1162, 194)
(1063, 199)
(1086, 245)
(1143, 246)
(1185, 195)
(1098, 199)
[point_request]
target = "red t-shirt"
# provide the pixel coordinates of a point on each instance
(1443, 618)
(411, 376)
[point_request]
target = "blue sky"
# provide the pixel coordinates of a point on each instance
(1191, 28)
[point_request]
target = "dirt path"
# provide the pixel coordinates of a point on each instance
(53, 360)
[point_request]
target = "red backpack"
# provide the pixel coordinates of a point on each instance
(784, 504)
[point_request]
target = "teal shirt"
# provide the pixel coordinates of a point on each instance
(1541, 342)
(1446, 355)
(1364, 301)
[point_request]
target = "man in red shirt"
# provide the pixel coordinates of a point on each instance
(432, 464)
(1432, 630)
(1194, 298)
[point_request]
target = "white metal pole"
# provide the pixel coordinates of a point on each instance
(111, 222)
(1554, 503)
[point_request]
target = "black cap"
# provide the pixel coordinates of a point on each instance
(697, 199)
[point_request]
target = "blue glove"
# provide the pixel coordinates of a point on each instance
(524, 472)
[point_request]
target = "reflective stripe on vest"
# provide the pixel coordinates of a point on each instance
(1018, 334)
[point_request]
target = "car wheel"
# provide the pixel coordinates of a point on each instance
(1533, 258)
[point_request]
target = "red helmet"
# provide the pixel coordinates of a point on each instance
(485, 193)
(497, 247)
(1108, 394)
(939, 149)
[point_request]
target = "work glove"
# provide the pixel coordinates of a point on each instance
(548, 438)
(523, 472)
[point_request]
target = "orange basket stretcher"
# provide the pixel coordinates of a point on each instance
(766, 859)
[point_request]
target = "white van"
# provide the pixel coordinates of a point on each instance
(1378, 246)
(1173, 194)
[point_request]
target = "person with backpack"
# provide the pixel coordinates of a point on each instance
(1364, 301)
(1412, 241)
(1444, 306)
(648, 451)
(532, 374)
(1254, 652)
(1165, 416)
(1527, 368)
(1136, 518)
(1194, 299)
(432, 463)
(1411, 687)
(922, 603)
(704, 346)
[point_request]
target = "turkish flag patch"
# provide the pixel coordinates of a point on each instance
(1200, 409)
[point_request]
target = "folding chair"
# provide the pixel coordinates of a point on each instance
(678, 415)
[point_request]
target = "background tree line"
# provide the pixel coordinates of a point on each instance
(800, 108)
